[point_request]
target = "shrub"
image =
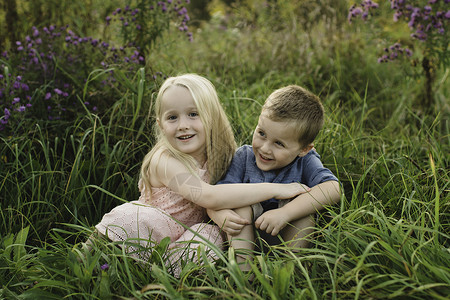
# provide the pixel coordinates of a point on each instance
(56, 74)
(428, 20)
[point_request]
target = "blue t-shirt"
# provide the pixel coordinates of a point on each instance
(307, 170)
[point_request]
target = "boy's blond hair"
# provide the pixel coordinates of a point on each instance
(220, 143)
(298, 105)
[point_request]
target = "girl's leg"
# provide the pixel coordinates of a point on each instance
(140, 226)
(90, 241)
(243, 243)
(186, 247)
(296, 234)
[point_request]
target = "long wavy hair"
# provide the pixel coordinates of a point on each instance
(220, 142)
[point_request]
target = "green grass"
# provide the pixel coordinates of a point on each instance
(388, 237)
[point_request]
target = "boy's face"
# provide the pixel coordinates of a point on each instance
(275, 144)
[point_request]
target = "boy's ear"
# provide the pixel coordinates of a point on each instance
(159, 122)
(306, 149)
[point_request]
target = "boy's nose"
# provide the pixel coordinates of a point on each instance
(265, 148)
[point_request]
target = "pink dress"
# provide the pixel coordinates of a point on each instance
(166, 214)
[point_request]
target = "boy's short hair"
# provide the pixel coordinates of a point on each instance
(298, 105)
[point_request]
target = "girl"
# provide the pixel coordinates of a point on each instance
(194, 147)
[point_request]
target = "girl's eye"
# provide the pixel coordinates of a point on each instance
(171, 117)
(193, 114)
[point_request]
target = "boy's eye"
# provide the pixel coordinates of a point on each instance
(261, 133)
(279, 144)
(171, 117)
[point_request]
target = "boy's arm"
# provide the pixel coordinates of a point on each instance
(326, 193)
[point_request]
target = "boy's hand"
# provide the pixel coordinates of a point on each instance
(228, 220)
(272, 221)
(290, 190)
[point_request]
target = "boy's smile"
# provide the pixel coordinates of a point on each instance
(275, 144)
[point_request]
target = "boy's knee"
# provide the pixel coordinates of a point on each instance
(245, 212)
(298, 232)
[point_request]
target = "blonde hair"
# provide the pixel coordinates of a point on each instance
(220, 143)
(298, 105)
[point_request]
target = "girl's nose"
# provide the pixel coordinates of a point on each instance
(183, 124)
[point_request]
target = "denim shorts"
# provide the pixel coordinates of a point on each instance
(258, 209)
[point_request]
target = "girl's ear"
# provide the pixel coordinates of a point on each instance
(159, 122)
(306, 149)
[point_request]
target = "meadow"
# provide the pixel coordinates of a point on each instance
(73, 135)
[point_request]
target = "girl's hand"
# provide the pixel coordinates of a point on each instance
(228, 220)
(290, 190)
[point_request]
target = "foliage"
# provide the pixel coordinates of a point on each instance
(49, 177)
(145, 21)
(429, 23)
(388, 237)
(54, 73)
(46, 76)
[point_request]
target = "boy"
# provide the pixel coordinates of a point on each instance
(282, 151)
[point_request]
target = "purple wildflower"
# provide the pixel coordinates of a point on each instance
(25, 87)
(104, 267)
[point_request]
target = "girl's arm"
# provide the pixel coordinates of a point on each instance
(228, 220)
(172, 173)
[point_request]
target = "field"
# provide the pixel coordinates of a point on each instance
(76, 132)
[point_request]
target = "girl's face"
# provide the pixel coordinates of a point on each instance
(181, 124)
